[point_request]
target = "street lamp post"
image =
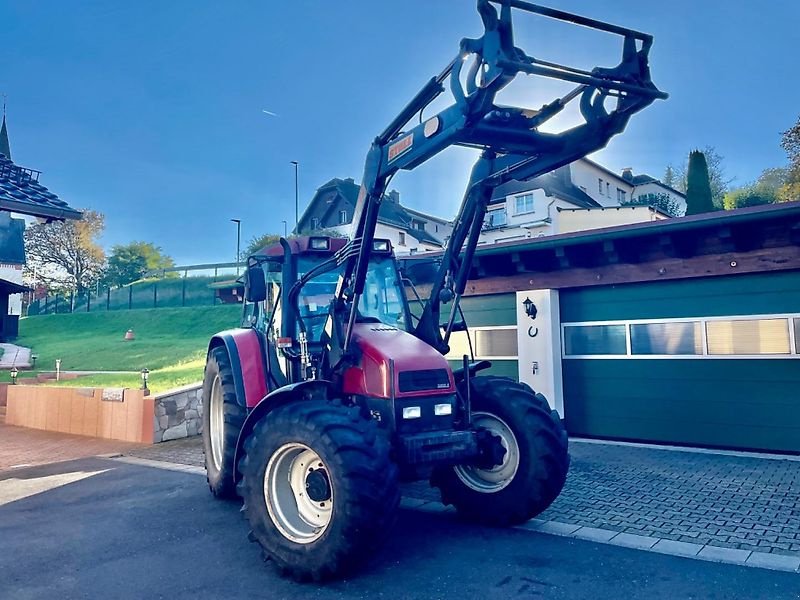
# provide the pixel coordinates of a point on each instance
(284, 228)
(296, 197)
(238, 241)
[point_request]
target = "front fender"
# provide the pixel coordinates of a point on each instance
(246, 354)
(315, 389)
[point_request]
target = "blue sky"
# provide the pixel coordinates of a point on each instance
(151, 112)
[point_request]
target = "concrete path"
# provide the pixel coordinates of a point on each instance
(15, 356)
(106, 529)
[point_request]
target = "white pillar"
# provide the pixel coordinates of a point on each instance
(539, 345)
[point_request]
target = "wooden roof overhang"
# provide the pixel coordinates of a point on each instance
(747, 240)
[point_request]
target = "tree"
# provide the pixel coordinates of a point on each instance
(791, 143)
(699, 198)
(766, 190)
(669, 177)
(131, 262)
(749, 195)
(65, 255)
(663, 202)
(718, 180)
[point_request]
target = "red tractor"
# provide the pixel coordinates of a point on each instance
(333, 390)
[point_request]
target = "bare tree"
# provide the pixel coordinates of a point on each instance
(65, 255)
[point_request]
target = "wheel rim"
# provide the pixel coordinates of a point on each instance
(498, 477)
(216, 424)
(298, 493)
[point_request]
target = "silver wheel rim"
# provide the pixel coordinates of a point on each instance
(498, 477)
(216, 423)
(295, 514)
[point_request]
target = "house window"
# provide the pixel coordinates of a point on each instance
(437, 228)
(419, 225)
(496, 218)
(608, 189)
(342, 217)
(401, 239)
(599, 186)
(523, 204)
(620, 195)
(314, 224)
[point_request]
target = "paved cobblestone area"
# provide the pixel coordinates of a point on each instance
(186, 451)
(732, 502)
(726, 501)
(20, 446)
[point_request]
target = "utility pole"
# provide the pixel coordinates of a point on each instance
(284, 228)
(296, 198)
(238, 241)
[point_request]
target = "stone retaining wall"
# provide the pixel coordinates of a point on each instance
(178, 413)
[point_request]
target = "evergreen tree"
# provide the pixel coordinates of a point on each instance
(698, 185)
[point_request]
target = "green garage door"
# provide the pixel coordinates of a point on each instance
(708, 362)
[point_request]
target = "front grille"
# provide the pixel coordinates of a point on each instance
(426, 380)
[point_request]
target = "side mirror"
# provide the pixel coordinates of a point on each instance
(255, 284)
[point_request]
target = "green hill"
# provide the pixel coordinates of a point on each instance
(168, 340)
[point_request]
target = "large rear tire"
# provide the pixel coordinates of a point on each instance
(223, 417)
(535, 462)
(320, 490)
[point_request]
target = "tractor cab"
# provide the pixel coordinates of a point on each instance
(292, 318)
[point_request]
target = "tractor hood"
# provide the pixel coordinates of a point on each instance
(419, 370)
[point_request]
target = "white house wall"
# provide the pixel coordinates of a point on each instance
(596, 218)
(655, 188)
(585, 176)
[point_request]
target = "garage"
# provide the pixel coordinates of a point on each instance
(709, 362)
(681, 332)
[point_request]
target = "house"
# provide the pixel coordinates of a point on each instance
(21, 194)
(581, 195)
(410, 231)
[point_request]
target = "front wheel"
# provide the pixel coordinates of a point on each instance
(319, 489)
(223, 417)
(534, 462)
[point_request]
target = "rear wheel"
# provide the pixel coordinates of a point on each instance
(534, 463)
(319, 489)
(223, 417)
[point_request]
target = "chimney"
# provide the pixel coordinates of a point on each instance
(627, 174)
(393, 196)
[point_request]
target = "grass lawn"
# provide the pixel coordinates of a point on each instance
(159, 380)
(170, 342)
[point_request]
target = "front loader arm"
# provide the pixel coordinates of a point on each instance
(513, 147)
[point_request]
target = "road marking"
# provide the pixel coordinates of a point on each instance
(14, 489)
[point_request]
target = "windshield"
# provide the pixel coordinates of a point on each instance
(382, 297)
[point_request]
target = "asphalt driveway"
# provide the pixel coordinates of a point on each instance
(101, 528)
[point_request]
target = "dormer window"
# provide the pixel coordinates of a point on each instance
(342, 217)
(314, 223)
(523, 204)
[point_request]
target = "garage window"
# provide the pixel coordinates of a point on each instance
(489, 343)
(592, 340)
(797, 336)
(677, 338)
(748, 337)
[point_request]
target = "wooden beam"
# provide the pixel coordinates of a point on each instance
(734, 263)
